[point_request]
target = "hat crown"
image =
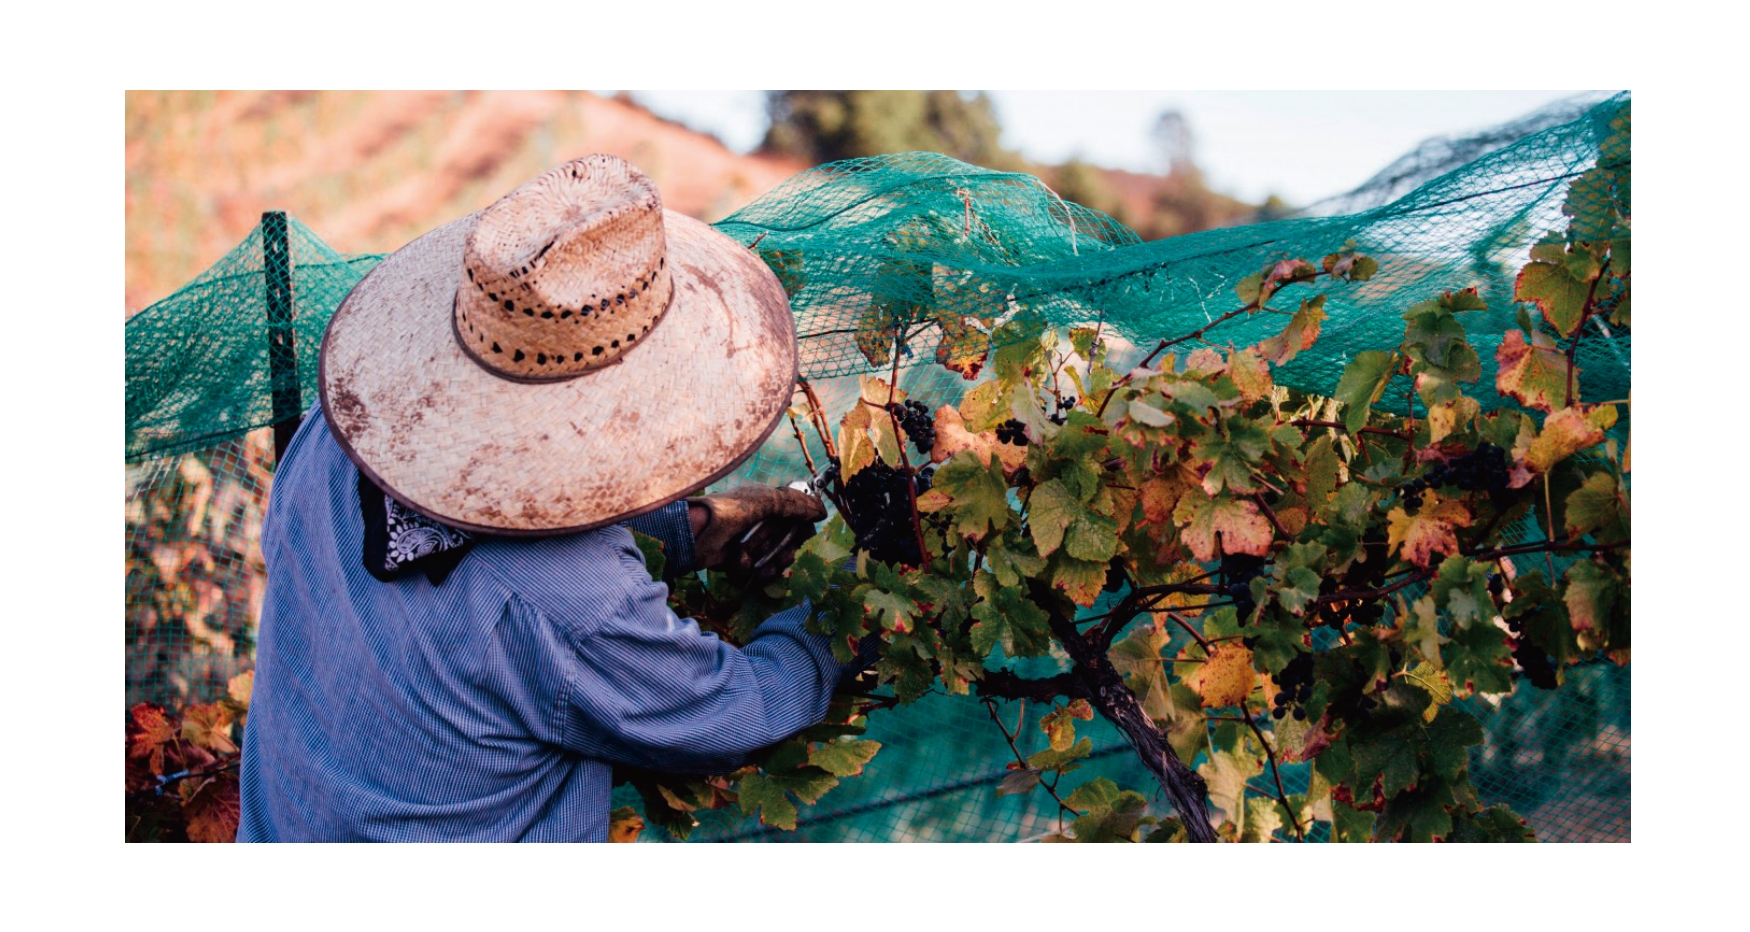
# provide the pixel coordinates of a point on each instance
(566, 273)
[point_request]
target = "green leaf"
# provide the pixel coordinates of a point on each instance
(1421, 814)
(1081, 580)
(654, 561)
(843, 758)
(1264, 817)
(1435, 341)
(1597, 507)
(808, 783)
(1137, 657)
(1008, 617)
(979, 496)
(1557, 280)
(1397, 746)
(1226, 773)
(1061, 761)
(893, 612)
(1494, 824)
(758, 793)
(1433, 681)
(1363, 381)
(1476, 657)
(1231, 457)
(1050, 509)
(1010, 561)
(1109, 814)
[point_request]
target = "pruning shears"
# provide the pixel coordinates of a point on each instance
(813, 485)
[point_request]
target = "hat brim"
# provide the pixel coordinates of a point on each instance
(457, 443)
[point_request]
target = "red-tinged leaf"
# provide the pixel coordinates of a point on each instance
(1558, 282)
(1564, 433)
(208, 726)
(1059, 725)
(1535, 374)
(1298, 741)
(624, 825)
(1300, 334)
(964, 346)
(213, 811)
(953, 437)
(1430, 534)
(1241, 527)
(1225, 678)
(150, 732)
(1160, 494)
(1250, 374)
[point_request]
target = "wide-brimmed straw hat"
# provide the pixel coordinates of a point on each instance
(568, 357)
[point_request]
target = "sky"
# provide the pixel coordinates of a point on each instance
(1299, 145)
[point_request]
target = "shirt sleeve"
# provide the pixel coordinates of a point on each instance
(650, 689)
(670, 525)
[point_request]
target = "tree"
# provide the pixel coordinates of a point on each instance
(825, 126)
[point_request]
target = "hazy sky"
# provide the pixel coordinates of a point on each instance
(1301, 145)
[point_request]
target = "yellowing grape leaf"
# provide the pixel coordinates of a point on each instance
(152, 732)
(1302, 331)
(1430, 533)
(1558, 282)
(241, 687)
(1241, 526)
(1225, 678)
(952, 437)
(1445, 419)
(1535, 374)
(624, 825)
(843, 758)
(208, 726)
(964, 344)
(1059, 724)
(1564, 433)
(1250, 374)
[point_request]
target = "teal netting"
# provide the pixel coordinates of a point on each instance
(927, 254)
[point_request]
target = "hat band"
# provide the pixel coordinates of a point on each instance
(535, 342)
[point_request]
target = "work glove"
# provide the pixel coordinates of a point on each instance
(753, 530)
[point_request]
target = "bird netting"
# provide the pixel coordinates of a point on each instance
(924, 257)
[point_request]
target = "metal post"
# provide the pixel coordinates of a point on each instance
(282, 353)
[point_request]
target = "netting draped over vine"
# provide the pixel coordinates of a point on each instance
(923, 255)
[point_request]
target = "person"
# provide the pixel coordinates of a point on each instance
(459, 639)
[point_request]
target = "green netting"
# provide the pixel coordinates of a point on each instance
(929, 254)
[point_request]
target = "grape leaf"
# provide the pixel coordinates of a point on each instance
(1363, 381)
(965, 344)
(1534, 374)
(952, 437)
(1300, 334)
(151, 731)
(1598, 506)
(651, 548)
(1435, 341)
(1241, 526)
(1590, 595)
(761, 794)
(624, 825)
(1558, 281)
(1564, 433)
(1008, 617)
(893, 612)
(1430, 532)
(1061, 761)
(1050, 509)
(1396, 745)
(843, 758)
(1081, 580)
(1059, 724)
(1250, 374)
(808, 783)
(1476, 656)
(1494, 824)
(1226, 677)
(974, 495)
(209, 727)
(1109, 814)
(213, 812)
(241, 688)
(1433, 681)
(1420, 814)
(1226, 773)
(1445, 419)
(1137, 656)
(1230, 456)
(1264, 817)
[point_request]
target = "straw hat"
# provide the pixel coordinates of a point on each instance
(571, 356)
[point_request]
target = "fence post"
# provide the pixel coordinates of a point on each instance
(282, 351)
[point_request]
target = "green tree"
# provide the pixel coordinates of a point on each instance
(825, 126)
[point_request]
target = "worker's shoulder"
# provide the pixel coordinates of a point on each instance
(577, 577)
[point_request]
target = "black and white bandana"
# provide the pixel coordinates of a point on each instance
(399, 540)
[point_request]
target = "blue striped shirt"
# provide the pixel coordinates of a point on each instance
(492, 707)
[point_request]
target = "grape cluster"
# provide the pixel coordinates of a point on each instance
(1063, 407)
(917, 422)
(1338, 614)
(1237, 572)
(1295, 684)
(1481, 470)
(877, 506)
(1539, 668)
(1012, 431)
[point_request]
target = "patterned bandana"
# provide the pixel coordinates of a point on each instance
(398, 540)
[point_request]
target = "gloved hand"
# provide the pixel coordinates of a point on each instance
(779, 519)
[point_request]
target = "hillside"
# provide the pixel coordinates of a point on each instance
(370, 170)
